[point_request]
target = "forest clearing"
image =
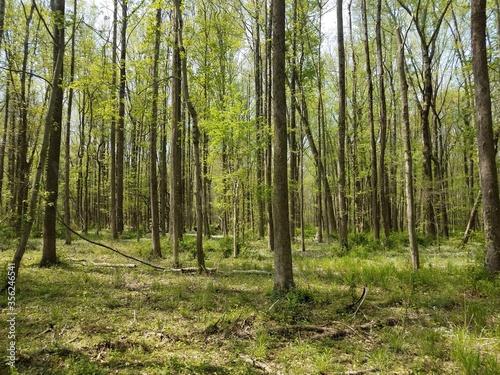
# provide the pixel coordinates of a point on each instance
(84, 318)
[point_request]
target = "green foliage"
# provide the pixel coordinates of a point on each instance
(471, 359)
(291, 306)
(82, 366)
(143, 320)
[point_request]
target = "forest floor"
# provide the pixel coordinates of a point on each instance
(357, 312)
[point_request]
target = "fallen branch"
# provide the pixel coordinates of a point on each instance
(322, 332)
(358, 302)
(105, 264)
(358, 372)
(339, 333)
(166, 269)
(259, 364)
(253, 272)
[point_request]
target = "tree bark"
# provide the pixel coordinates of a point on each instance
(268, 108)
(67, 138)
(23, 240)
(382, 170)
(120, 130)
(410, 201)
(112, 136)
(343, 215)
(259, 124)
(49, 256)
(200, 256)
(485, 138)
(153, 134)
(283, 274)
(373, 143)
(176, 142)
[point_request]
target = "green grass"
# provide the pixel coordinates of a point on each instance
(77, 318)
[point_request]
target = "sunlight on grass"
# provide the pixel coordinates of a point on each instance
(86, 319)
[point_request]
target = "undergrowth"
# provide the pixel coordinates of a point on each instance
(80, 318)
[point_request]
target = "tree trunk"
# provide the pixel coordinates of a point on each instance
(21, 164)
(373, 143)
(33, 200)
(260, 126)
(410, 204)
(268, 107)
(153, 134)
(294, 157)
(485, 138)
(283, 275)
(343, 217)
(382, 178)
(357, 214)
(176, 148)
(198, 188)
(120, 130)
(2, 20)
(67, 138)
(49, 256)
(5, 140)
(112, 142)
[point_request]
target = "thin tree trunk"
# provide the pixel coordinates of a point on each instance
(382, 170)
(120, 130)
(268, 107)
(153, 182)
(410, 203)
(176, 145)
(301, 180)
(5, 139)
(67, 150)
(356, 114)
(112, 143)
(196, 149)
(22, 166)
(472, 219)
(343, 215)
(373, 143)
(260, 125)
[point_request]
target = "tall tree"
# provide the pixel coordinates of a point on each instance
(35, 187)
(410, 203)
(120, 129)
(343, 217)
(153, 134)
(373, 142)
(428, 49)
(283, 274)
(268, 116)
(200, 256)
(485, 139)
(67, 137)
(382, 170)
(259, 121)
(176, 140)
(112, 134)
(49, 256)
